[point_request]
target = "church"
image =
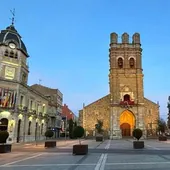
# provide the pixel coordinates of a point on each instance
(125, 107)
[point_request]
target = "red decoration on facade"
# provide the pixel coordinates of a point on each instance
(127, 102)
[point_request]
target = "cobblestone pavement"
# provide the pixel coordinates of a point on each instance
(108, 155)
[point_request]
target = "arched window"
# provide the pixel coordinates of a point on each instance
(6, 53)
(120, 62)
(29, 128)
(126, 97)
(132, 63)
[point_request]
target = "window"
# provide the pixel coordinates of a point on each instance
(31, 105)
(21, 101)
(132, 63)
(24, 78)
(6, 53)
(43, 109)
(29, 128)
(126, 97)
(42, 127)
(16, 55)
(11, 54)
(120, 62)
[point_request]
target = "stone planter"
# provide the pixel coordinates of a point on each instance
(5, 148)
(80, 149)
(162, 138)
(50, 144)
(138, 144)
(99, 138)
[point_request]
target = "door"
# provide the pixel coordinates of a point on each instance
(125, 127)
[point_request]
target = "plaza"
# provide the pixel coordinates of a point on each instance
(110, 154)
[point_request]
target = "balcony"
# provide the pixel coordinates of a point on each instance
(22, 108)
(127, 103)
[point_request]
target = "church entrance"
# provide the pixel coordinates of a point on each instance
(127, 123)
(125, 127)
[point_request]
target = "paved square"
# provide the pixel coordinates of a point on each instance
(108, 155)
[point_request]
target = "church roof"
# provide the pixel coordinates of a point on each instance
(10, 34)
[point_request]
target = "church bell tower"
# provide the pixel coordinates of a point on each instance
(126, 83)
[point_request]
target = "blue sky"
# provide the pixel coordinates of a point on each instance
(68, 44)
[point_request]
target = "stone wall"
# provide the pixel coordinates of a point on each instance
(98, 110)
(151, 114)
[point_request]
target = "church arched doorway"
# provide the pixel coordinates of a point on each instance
(127, 123)
(125, 127)
(3, 124)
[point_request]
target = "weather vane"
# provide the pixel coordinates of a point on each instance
(13, 16)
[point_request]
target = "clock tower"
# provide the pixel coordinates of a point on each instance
(13, 56)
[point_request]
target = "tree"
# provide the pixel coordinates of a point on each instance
(168, 106)
(161, 125)
(137, 133)
(78, 132)
(99, 126)
(75, 124)
(71, 125)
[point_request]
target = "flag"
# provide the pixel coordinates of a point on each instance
(15, 98)
(5, 104)
(11, 99)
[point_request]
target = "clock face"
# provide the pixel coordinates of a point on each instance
(12, 45)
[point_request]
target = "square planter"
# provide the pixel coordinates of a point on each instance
(5, 148)
(138, 144)
(162, 138)
(80, 149)
(50, 144)
(99, 138)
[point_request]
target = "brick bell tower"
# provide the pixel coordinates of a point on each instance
(126, 85)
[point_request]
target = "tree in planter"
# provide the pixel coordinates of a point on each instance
(137, 133)
(4, 148)
(3, 136)
(98, 126)
(49, 143)
(78, 132)
(71, 125)
(80, 149)
(161, 126)
(161, 130)
(75, 125)
(49, 134)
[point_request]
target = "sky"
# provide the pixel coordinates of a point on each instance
(68, 44)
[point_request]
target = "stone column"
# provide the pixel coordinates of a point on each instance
(111, 123)
(116, 134)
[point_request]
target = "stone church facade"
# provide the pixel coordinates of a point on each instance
(125, 108)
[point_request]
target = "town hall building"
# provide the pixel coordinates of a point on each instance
(125, 107)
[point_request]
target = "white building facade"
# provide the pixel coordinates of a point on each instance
(23, 110)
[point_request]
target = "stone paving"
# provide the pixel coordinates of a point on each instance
(102, 155)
